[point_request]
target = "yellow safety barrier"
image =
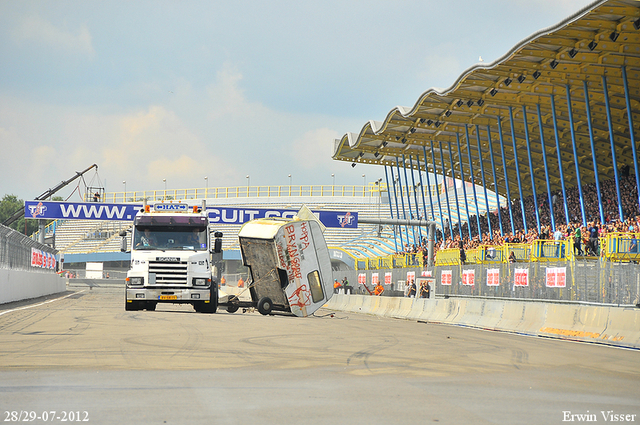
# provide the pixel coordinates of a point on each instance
(620, 247)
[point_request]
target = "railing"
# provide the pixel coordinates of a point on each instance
(615, 247)
(371, 190)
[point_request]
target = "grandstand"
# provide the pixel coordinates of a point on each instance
(90, 236)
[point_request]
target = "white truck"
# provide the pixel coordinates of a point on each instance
(171, 261)
(289, 265)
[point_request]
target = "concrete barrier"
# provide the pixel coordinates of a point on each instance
(17, 285)
(619, 326)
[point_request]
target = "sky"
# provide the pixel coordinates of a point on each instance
(183, 90)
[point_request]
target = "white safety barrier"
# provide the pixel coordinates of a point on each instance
(610, 325)
(17, 285)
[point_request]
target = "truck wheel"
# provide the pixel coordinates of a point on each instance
(232, 308)
(132, 306)
(265, 305)
(209, 307)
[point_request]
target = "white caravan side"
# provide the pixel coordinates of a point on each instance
(289, 265)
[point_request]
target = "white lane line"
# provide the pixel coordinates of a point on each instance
(42, 303)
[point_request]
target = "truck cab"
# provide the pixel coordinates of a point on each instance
(171, 259)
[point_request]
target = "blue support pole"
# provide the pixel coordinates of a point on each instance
(506, 176)
(415, 197)
(613, 146)
(464, 187)
(455, 191)
(404, 211)
(593, 148)
(546, 168)
(446, 190)
(433, 159)
(533, 182)
(631, 135)
(406, 183)
(424, 204)
(473, 182)
(555, 131)
(575, 154)
(426, 175)
(386, 176)
(484, 182)
(495, 179)
(515, 155)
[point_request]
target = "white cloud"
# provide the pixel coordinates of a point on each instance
(39, 30)
(315, 148)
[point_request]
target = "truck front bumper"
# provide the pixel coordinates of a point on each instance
(164, 295)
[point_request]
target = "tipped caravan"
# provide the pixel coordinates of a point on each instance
(289, 265)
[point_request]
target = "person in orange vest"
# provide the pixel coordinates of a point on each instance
(379, 289)
(240, 283)
(336, 286)
(223, 281)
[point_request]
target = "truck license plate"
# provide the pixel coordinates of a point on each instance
(167, 297)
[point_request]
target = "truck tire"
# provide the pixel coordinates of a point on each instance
(264, 306)
(211, 306)
(132, 306)
(232, 308)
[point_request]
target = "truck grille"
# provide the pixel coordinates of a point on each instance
(169, 273)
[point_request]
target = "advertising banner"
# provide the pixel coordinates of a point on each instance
(375, 278)
(80, 210)
(493, 277)
(468, 277)
(127, 212)
(556, 277)
(446, 277)
(42, 259)
(362, 278)
(411, 277)
(521, 277)
(387, 278)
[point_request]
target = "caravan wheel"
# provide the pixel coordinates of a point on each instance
(265, 305)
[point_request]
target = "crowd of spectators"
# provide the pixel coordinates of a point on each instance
(584, 238)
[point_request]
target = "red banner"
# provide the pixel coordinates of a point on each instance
(556, 277)
(387, 278)
(375, 278)
(493, 277)
(445, 277)
(468, 277)
(521, 277)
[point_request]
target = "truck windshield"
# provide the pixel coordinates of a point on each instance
(170, 238)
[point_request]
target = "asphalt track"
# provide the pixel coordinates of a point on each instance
(83, 353)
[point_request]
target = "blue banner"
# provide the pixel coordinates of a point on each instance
(80, 210)
(226, 215)
(127, 212)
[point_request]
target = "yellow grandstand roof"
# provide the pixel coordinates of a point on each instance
(591, 47)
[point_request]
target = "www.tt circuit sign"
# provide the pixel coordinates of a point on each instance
(127, 212)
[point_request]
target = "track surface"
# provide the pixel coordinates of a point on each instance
(84, 353)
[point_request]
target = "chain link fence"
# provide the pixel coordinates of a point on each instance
(16, 253)
(589, 281)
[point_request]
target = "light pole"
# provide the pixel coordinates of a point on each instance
(206, 191)
(248, 183)
(124, 182)
(333, 176)
(289, 179)
(165, 188)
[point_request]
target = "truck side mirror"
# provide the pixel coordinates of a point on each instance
(123, 241)
(217, 243)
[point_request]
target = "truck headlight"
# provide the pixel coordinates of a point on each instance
(200, 281)
(135, 280)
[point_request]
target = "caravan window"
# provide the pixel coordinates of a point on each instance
(315, 285)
